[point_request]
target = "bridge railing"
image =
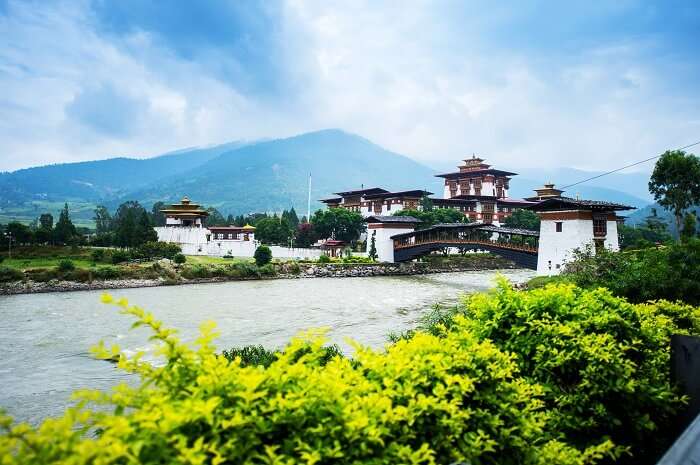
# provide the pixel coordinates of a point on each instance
(462, 239)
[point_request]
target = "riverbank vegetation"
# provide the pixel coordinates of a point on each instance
(554, 375)
(670, 272)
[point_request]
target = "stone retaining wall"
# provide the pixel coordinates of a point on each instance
(288, 270)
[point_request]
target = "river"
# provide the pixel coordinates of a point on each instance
(45, 338)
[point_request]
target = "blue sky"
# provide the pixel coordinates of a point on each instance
(591, 85)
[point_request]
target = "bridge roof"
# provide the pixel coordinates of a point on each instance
(480, 226)
(567, 203)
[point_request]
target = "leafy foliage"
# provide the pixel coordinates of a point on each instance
(179, 258)
(674, 182)
(523, 219)
(66, 265)
(434, 216)
(429, 399)
(262, 255)
(671, 272)
(340, 223)
(372, 253)
(603, 362)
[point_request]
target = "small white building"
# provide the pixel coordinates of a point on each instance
(568, 224)
(382, 228)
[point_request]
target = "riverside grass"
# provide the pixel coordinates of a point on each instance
(450, 393)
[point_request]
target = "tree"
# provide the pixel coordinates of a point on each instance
(157, 216)
(306, 235)
(103, 220)
(291, 217)
(425, 203)
(132, 225)
(523, 219)
(263, 255)
(435, 216)
(215, 218)
(46, 221)
(373, 246)
(340, 223)
(689, 226)
(273, 231)
(64, 232)
(44, 232)
(20, 233)
(674, 182)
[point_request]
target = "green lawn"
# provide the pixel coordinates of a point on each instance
(46, 262)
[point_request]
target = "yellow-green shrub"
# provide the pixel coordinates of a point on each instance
(603, 362)
(425, 400)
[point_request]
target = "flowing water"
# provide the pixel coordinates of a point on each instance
(45, 338)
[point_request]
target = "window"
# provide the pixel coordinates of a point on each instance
(600, 227)
(559, 225)
(230, 236)
(388, 206)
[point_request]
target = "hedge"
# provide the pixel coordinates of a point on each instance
(426, 400)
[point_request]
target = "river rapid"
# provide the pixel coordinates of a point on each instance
(45, 338)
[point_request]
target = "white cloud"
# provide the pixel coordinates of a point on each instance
(402, 75)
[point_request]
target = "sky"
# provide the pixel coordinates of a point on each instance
(592, 85)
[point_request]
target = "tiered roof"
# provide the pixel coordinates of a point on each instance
(185, 208)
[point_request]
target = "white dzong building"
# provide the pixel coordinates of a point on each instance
(568, 224)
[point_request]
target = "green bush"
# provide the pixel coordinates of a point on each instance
(120, 256)
(425, 400)
(97, 255)
(196, 272)
(66, 265)
(8, 274)
(108, 272)
(357, 259)
(179, 258)
(324, 259)
(671, 273)
(603, 362)
(251, 355)
(80, 275)
(2, 258)
(263, 255)
(156, 249)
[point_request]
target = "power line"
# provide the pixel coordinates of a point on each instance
(624, 167)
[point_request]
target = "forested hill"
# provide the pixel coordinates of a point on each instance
(102, 179)
(236, 178)
(273, 175)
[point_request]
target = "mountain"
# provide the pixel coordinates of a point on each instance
(100, 180)
(273, 175)
(265, 175)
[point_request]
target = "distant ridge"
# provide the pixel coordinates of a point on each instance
(236, 177)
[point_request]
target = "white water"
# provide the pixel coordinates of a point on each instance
(45, 338)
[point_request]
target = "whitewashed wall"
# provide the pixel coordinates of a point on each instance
(556, 247)
(295, 253)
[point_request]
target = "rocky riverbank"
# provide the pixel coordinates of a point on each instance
(287, 270)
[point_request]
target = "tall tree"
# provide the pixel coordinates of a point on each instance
(21, 233)
(273, 231)
(340, 223)
(157, 216)
(103, 220)
(64, 232)
(426, 203)
(523, 219)
(46, 221)
(675, 182)
(132, 225)
(44, 233)
(306, 235)
(689, 226)
(372, 253)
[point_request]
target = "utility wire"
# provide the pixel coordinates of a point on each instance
(624, 167)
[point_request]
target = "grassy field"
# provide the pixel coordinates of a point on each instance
(81, 212)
